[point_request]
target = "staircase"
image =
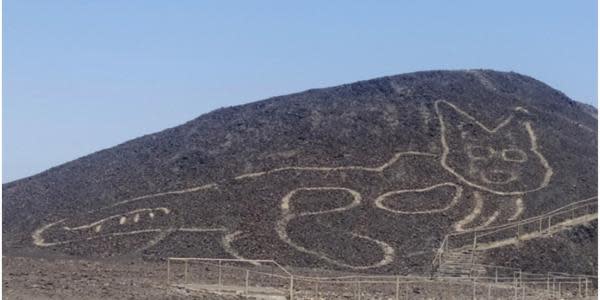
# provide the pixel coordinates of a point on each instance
(461, 263)
(454, 259)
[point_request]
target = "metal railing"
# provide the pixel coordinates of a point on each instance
(222, 275)
(489, 237)
(245, 278)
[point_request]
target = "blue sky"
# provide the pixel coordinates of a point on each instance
(80, 76)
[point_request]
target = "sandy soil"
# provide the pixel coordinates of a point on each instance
(70, 279)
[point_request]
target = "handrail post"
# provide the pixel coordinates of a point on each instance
(441, 258)
(586, 287)
(447, 242)
(185, 272)
(246, 284)
(291, 287)
(474, 288)
(496, 278)
(220, 276)
(397, 287)
(516, 286)
(473, 253)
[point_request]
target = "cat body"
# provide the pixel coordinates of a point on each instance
(357, 217)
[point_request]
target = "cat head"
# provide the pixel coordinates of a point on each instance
(503, 160)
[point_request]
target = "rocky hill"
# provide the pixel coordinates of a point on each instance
(367, 176)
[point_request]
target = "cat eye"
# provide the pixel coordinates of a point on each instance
(480, 152)
(514, 155)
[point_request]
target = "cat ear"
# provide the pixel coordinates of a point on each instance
(522, 114)
(453, 118)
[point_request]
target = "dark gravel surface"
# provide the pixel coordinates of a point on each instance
(27, 278)
(574, 251)
(359, 124)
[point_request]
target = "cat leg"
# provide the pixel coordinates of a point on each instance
(519, 208)
(227, 243)
(469, 219)
(292, 218)
(506, 210)
(490, 211)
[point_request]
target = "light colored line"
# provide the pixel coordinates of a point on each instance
(356, 199)
(177, 192)
(446, 149)
(193, 229)
(542, 216)
(458, 226)
(519, 209)
(328, 169)
(227, 243)
(458, 193)
(489, 221)
(388, 252)
(39, 241)
(534, 148)
(466, 115)
(528, 236)
(90, 225)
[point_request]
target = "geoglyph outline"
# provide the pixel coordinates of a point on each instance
(388, 251)
(457, 195)
(446, 149)
(287, 215)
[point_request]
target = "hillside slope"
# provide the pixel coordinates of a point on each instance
(366, 176)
